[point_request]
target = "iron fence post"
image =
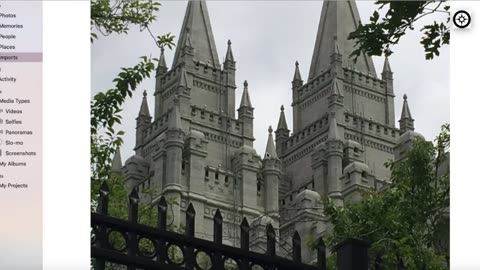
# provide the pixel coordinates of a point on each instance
(101, 233)
(133, 201)
(352, 254)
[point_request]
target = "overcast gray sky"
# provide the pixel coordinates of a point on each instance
(267, 38)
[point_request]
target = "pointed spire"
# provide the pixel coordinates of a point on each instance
(162, 64)
(405, 109)
(245, 97)
(229, 57)
(197, 33)
(270, 151)
(117, 161)
(386, 66)
(134, 198)
(333, 133)
(144, 111)
(174, 119)
(183, 79)
(282, 123)
(406, 120)
(338, 19)
(297, 76)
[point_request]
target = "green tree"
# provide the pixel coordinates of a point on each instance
(117, 17)
(406, 222)
(109, 17)
(381, 33)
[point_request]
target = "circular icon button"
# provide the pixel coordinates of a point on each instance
(462, 19)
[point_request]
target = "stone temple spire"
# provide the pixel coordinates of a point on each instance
(270, 151)
(245, 97)
(229, 63)
(406, 120)
(386, 66)
(197, 33)
(282, 133)
(229, 56)
(338, 20)
(162, 65)
(282, 123)
(143, 121)
(297, 81)
(245, 115)
(117, 161)
(144, 111)
(297, 76)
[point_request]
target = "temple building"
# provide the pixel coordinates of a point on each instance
(196, 147)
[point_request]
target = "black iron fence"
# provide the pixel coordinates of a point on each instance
(146, 247)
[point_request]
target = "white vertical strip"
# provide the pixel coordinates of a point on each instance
(465, 112)
(66, 197)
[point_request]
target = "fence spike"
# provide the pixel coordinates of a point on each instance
(133, 206)
(104, 189)
(321, 254)
(244, 234)
(190, 233)
(321, 243)
(102, 207)
(190, 221)
(134, 195)
(217, 227)
(217, 239)
(162, 214)
(270, 240)
(162, 208)
(297, 247)
(132, 242)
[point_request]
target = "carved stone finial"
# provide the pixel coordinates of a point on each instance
(270, 129)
